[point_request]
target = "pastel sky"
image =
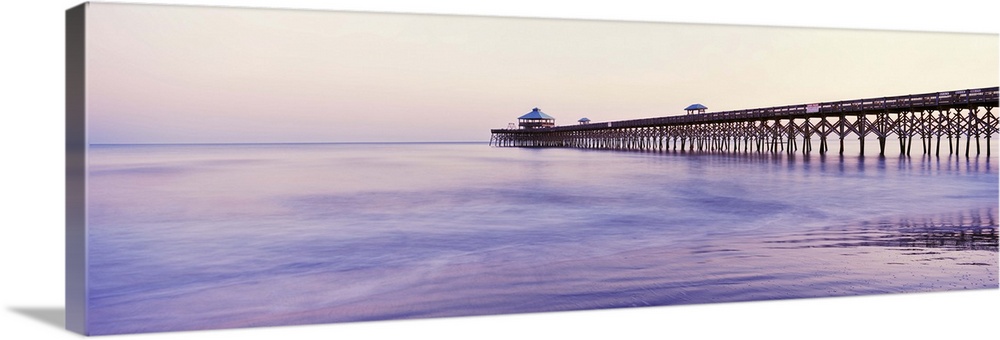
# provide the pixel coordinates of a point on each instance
(176, 74)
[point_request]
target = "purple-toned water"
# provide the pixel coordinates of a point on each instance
(211, 236)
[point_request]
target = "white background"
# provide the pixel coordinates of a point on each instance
(31, 189)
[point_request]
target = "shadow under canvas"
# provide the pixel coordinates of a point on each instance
(54, 316)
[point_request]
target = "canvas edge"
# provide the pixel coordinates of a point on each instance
(76, 149)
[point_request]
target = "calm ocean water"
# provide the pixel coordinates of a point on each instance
(214, 236)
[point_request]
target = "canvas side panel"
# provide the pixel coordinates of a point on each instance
(76, 171)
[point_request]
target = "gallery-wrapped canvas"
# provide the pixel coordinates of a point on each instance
(242, 167)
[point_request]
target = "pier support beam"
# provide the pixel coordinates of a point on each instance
(881, 146)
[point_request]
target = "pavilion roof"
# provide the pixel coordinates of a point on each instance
(535, 114)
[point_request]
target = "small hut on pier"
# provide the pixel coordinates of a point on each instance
(584, 120)
(535, 119)
(695, 109)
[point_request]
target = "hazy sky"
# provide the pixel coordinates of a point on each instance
(174, 74)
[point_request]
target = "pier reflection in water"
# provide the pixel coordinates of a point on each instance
(969, 230)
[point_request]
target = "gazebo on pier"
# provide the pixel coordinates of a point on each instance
(535, 119)
(584, 120)
(695, 109)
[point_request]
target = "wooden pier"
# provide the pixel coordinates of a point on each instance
(922, 118)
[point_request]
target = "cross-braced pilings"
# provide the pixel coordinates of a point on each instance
(921, 118)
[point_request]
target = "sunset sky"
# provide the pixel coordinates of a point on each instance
(175, 74)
